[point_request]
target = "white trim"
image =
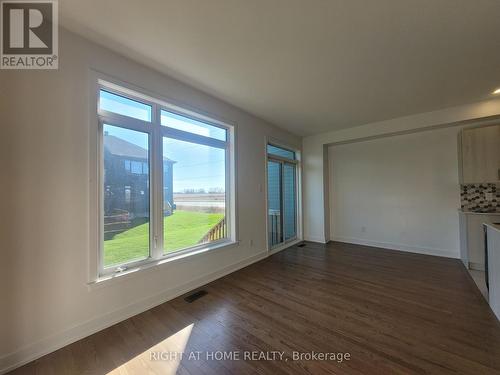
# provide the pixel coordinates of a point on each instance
(133, 269)
(277, 143)
(149, 264)
(52, 343)
(156, 181)
(156, 132)
(126, 93)
(192, 137)
(315, 239)
(143, 94)
(94, 181)
(448, 253)
(115, 119)
(476, 266)
(134, 264)
(282, 159)
(284, 246)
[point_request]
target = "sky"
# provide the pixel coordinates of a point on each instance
(196, 166)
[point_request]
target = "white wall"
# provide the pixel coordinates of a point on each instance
(44, 221)
(315, 212)
(400, 192)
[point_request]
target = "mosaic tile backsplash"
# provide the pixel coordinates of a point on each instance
(480, 197)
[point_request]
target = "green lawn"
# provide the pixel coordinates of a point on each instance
(182, 229)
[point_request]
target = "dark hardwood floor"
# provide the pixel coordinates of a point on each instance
(392, 312)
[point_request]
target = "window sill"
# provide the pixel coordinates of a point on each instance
(155, 263)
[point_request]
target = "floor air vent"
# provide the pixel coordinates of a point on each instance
(194, 296)
(301, 245)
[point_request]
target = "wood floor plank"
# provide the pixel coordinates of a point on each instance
(393, 312)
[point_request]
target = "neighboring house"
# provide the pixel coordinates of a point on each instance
(126, 180)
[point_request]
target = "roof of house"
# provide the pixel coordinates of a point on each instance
(120, 147)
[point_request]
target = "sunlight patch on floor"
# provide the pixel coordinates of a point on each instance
(151, 362)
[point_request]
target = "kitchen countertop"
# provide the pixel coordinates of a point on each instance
(478, 213)
(493, 226)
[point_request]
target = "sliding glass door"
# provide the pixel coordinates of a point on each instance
(281, 195)
(274, 188)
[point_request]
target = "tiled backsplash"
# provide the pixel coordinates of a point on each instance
(480, 197)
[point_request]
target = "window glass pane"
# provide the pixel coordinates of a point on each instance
(194, 194)
(186, 124)
(126, 195)
(274, 202)
(289, 201)
(124, 106)
(278, 151)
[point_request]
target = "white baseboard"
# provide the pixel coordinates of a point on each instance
(476, 266)
(317, 239)
(406, 248)
(284, 246)
(45, 346)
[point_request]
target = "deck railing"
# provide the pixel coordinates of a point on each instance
(274, 228)
(217, 232)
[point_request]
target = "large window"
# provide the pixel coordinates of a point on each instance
(281, 195)
(165, 180)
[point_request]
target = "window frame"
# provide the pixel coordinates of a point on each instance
(298, 192)
(280, 157)
(123, 266)
(156, 133)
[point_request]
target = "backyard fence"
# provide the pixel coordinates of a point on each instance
(117, 222)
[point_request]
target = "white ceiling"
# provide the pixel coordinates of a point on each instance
(309, 65)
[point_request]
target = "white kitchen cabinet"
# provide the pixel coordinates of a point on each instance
(472, 237)
(480, 154)
(494, 268)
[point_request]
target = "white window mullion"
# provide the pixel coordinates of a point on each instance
(228, 196)
(194, 138)
(282, 201)
(131, 124)
(100, 183)
(157, 188)
(152, 209)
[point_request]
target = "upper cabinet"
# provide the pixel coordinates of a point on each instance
(480, 154)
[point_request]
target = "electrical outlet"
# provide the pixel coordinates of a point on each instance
(363, 229)
(251, 243)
